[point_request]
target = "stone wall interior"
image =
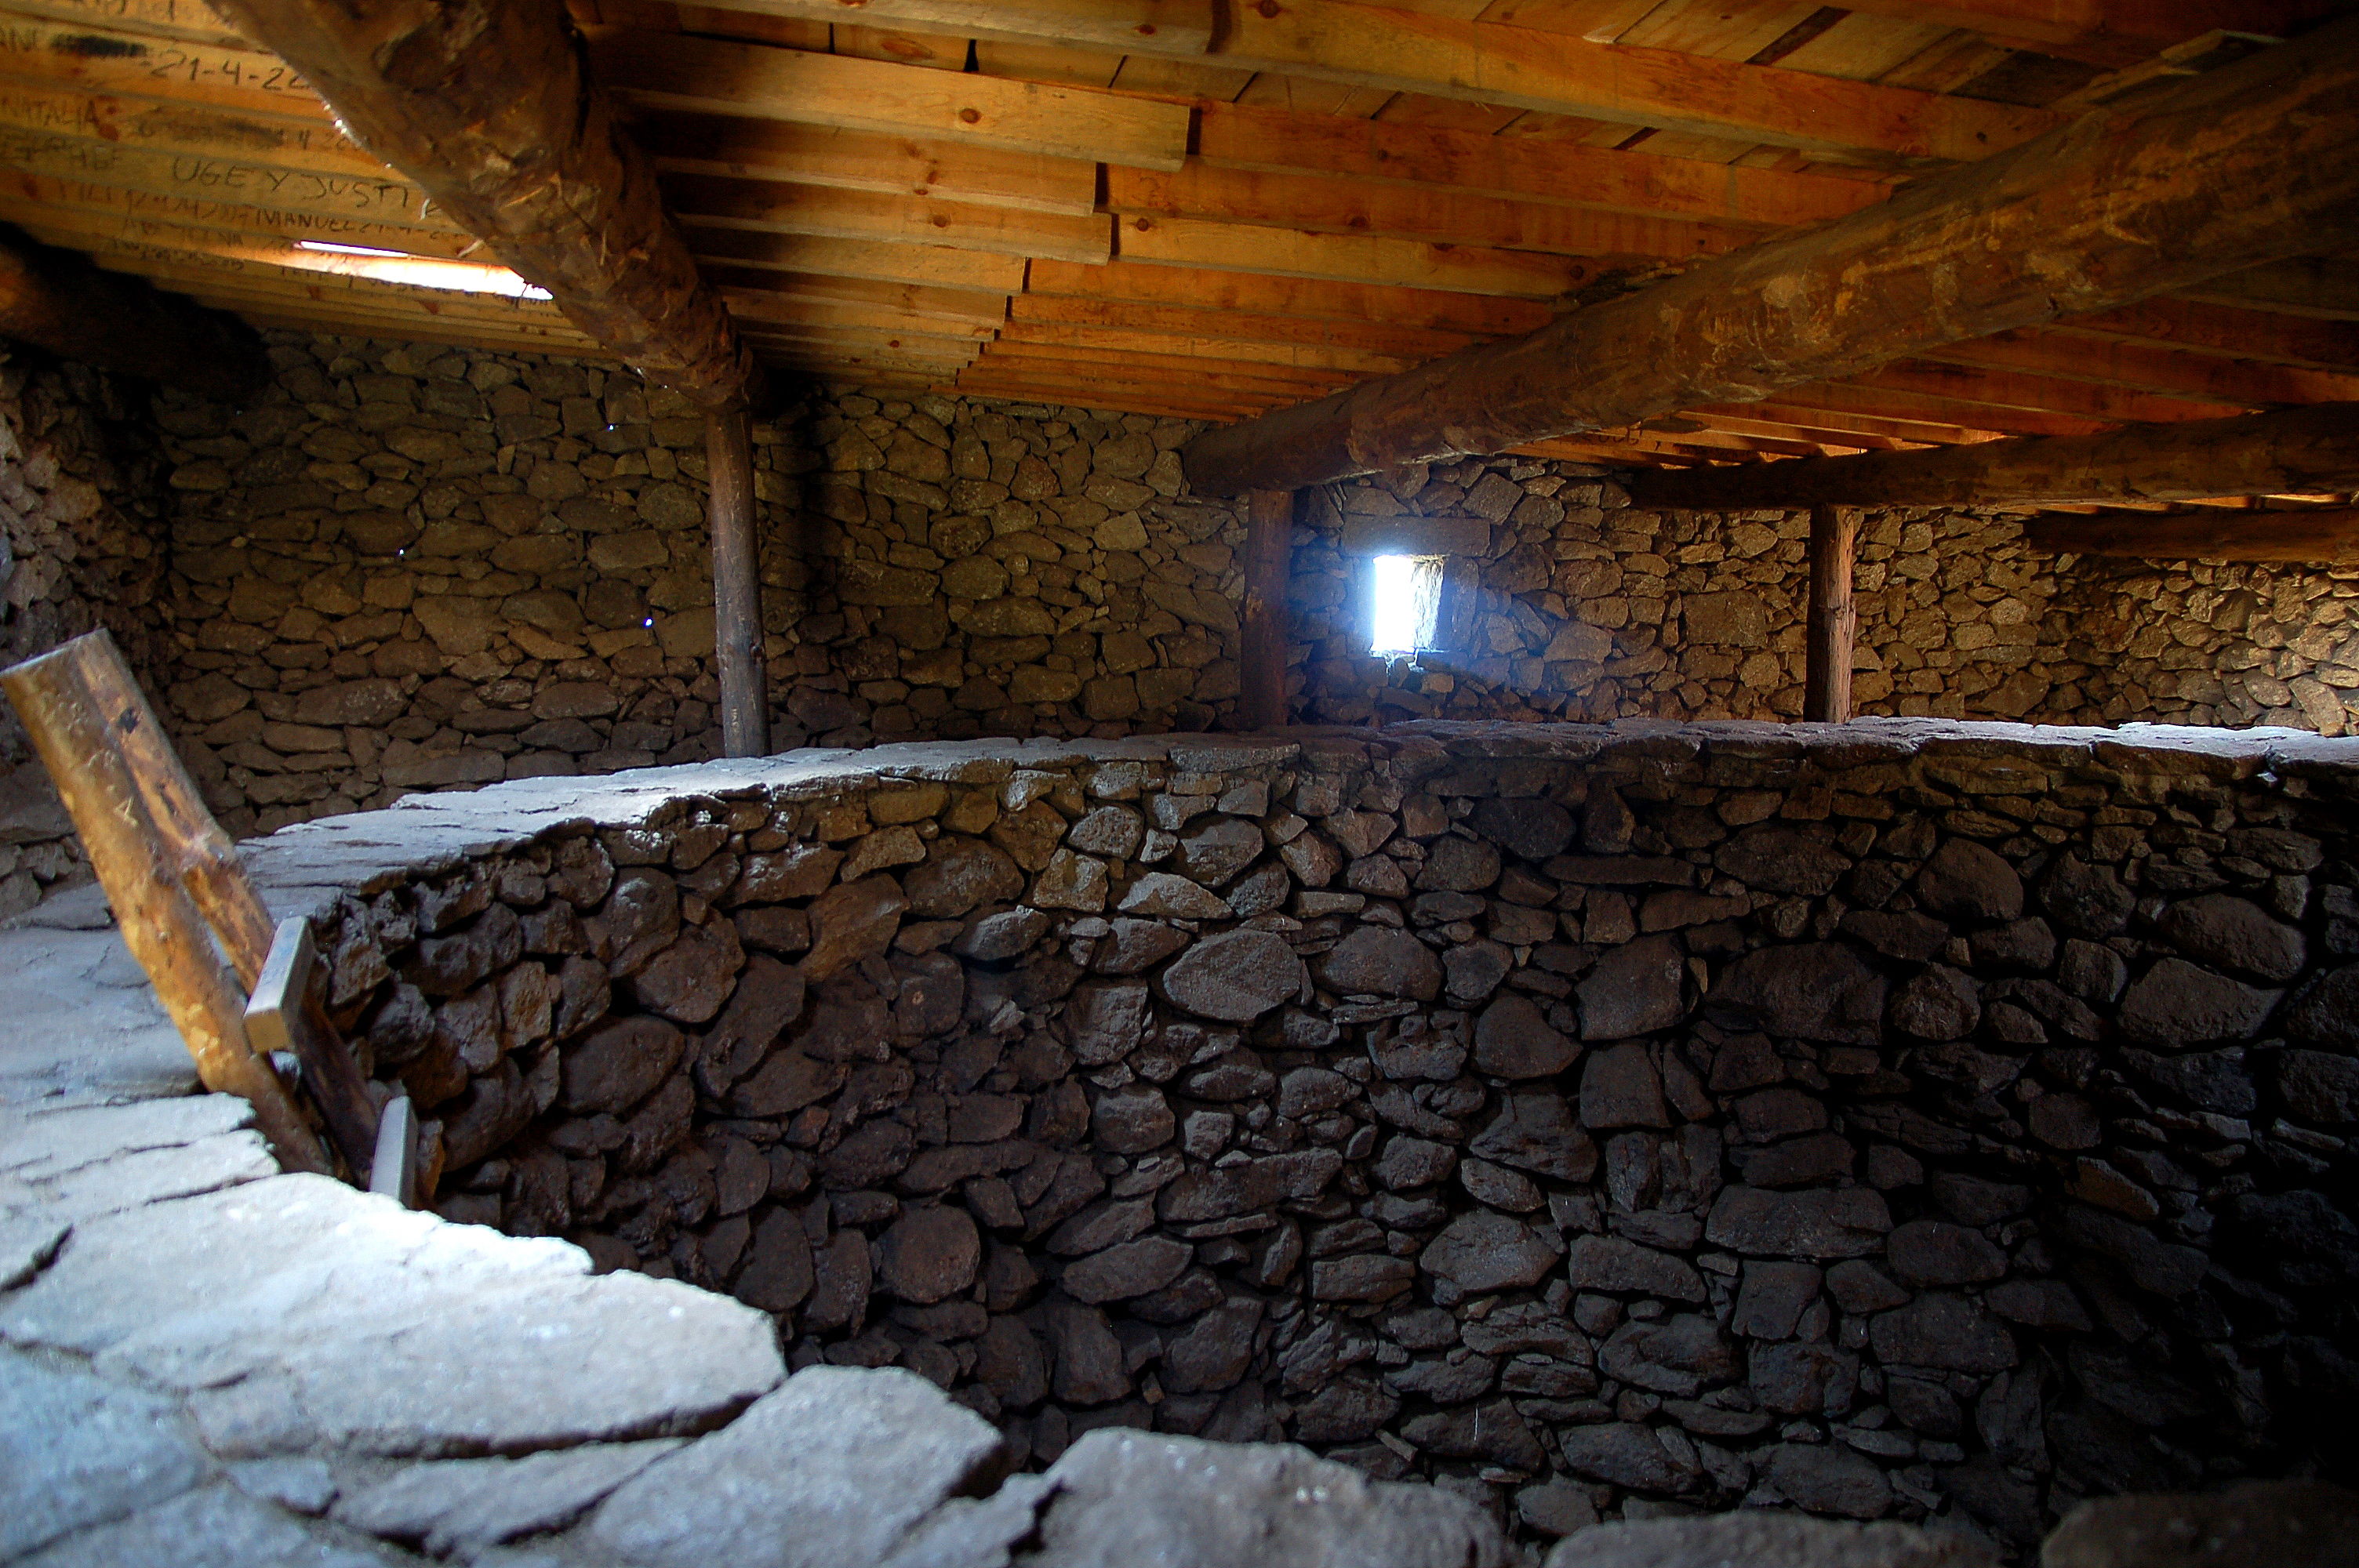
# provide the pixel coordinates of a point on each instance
(1909, 1121)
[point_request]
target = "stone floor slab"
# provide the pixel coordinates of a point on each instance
(214, 1526)
(794, 1482)
(77, 1451)
(464, 1505)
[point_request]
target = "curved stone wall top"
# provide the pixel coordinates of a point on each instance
(1825, 1119)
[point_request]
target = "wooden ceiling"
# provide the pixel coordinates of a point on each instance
(1206, 208)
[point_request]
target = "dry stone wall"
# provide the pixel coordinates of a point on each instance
(1577, 606)
(413, 568)
(1913, 1123)
(80, 546)
(409, 567)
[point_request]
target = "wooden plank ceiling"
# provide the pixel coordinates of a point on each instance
(1206, 208)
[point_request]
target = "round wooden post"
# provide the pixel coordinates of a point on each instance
(1826, 685)
(736, 585)
(1268, 567)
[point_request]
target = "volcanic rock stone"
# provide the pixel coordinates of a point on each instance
(850, 922)
(1965, 881)
(2318, 1087)
(1840, 1222)
(928, 1253)
(1828, 1478)
(1372, 961)
(1527, 827)
(1938, 1004)
(1935, 1252)
(1131, 1121)
(1482, 1251)
(2175, 1004)
(1611, 1263)
(792, 1482)
(1493, 1432)
(2260, 1524)
(2236, 935)
(1624, 1454)
(1513, 1040)
(1677, 1355)
(2086, 900)
(2326, 1012)
(1219, 1503)
(1813, 990)
(1536, 1132)
(1162, 894)
(1217, 851)
(958, 874)
(1236, 975)
(1773, 1299)
(1129, 1268)
(1454, 864)
(1408, 1161)
(1944, 1331)
(1620, 1088)
(1765, 1539)
(1636, 988)
(619, 1063)
(1784, 858)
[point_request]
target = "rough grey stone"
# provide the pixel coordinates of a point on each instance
(1940, 1003)
(2255, 1525)
(1529, 827)
(2175, 1004)
(465, 1505)
(1620, 1088)
(1513, 1040)
(1214, 1506)
(1784, 858)
(1814, 991)
(1535, 1131)
(1829, 1478)
(932, 1251)
(1773, 1299)
(2326, 1010)
(211, 1527)
(1965, 881)
(77, 1451)
(1840, 1222)
(1942, 1330)
(1935, 1252)
(2236, 934)
(1482, 1251)
(1626, 1455)
(1127, 1270)
(1235, 976)
(1767, 1539)
(1611, 1263)
(1677, 1355)
(426, 1338)
(1636, 988)
(793, 1483)
(1372, 961)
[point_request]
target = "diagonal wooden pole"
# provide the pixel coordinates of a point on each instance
(160, 921)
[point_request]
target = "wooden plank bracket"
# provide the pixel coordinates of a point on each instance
(185, 906)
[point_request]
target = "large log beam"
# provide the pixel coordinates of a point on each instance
(489, 105)
(2293, 452)
(2326, 537)
(2247, 164)
(57, 300)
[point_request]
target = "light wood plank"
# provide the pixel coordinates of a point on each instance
(188, 20)
(1343, 206)
(1133, 26)
(866, 160)
(1526, 168)
(80, 195)
(95, 60)
(1250, 293)
(1237, 247)
(678, 73)
(1559, 74)
(933, 266)
(186, 177)
(967, 307)
(195, 131)
(2142, 369)
(772, 207)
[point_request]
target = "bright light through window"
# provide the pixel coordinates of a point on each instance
(1407, 602)
(423, 272)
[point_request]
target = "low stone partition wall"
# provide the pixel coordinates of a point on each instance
(1904, 1120)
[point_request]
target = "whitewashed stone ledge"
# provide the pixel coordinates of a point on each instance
(203, 1361)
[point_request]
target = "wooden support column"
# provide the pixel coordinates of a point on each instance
(489, 105)
(57, 300)
(1268, 567)
(2292, 451)
(160, 921)
(2243, 166)
(736, 584)
(1834, 617)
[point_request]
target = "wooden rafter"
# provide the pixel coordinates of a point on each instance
(491, 112)
(59, 302)
(2325, 537)
(2257, 161)
(2293, 452)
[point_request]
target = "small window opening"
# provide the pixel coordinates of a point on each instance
(1407, 603)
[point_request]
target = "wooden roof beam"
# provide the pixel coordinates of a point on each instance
(2329, 536)
(2247, 164)
(2300, 449)
(491, 109)
(59, 301)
